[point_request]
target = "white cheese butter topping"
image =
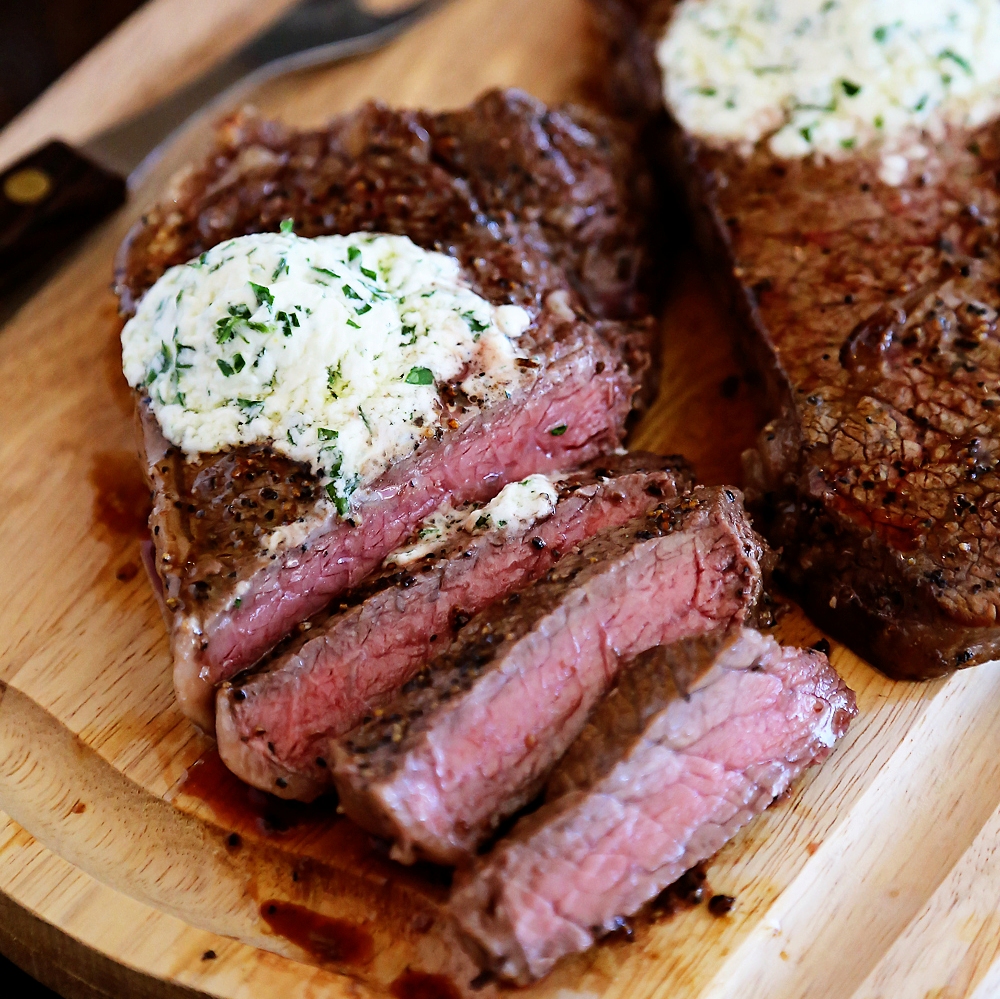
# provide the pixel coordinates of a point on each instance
(330, 349)
(831, 76)
(515, 508)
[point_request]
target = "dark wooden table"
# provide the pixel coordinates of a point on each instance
(19, 985)
(41, 39)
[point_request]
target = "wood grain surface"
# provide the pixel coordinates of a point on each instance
(130, 867)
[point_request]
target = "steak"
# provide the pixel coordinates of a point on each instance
(471, 738)
(871, 310)
(695, 741)
(275, 726)
(536, 205)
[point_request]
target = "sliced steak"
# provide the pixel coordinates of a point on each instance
(694, 742)
(226, 620)
(275, 726)
(472, 737)
(536, 206)
(871, 310)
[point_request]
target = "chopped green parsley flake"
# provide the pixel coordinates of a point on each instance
(420, 376)
(225, 328)
(956, 59)
(335, 381)
(263, 295)
(251, 407)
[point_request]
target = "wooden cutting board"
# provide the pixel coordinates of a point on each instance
(130, 866)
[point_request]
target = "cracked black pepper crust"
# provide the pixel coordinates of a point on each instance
(872, 312)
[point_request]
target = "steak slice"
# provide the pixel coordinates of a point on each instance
(275, 724)
(537, 206)
(472, 737)
(871, 310)
(694, 742)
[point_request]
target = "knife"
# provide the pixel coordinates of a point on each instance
(55, 194)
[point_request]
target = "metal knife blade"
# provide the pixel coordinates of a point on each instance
(312, 33)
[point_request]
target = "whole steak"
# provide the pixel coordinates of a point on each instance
(871, 309)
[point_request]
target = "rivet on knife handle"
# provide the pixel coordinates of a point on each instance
(48, 199)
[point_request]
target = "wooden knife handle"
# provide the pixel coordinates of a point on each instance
(47, 200)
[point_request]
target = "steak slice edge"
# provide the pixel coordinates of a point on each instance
(471, 739)
(660, 778)
(274, 726)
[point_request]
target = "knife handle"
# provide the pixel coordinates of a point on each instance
(48, 199)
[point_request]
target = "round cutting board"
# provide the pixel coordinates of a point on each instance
(131, 864)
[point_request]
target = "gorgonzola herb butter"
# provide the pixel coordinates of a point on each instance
(831, 76)
(329, 349)
(515, 508)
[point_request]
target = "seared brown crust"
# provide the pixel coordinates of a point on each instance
(626, 31)
(216, 507)
(871, 310)
(529, 199)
